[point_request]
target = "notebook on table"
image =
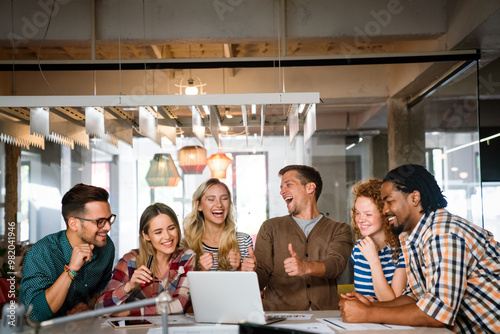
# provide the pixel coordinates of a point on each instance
(226, 297)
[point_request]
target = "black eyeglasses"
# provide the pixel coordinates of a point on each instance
(101, 221)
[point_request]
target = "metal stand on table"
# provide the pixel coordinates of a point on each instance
(161, 303)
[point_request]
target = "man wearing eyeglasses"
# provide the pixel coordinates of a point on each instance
(64, 272)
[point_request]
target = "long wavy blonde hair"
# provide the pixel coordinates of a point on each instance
(371, 189)
(194, 228)
(145, 247)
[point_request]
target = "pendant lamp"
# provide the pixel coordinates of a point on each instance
(218, 164)
(192, 159)
(162, 172)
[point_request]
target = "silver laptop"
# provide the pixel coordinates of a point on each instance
(227, 297)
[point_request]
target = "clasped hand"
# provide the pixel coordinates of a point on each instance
(354, 307)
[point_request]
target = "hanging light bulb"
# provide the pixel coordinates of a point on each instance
(191, 89)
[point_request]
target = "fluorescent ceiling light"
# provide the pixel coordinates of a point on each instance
(471, 143)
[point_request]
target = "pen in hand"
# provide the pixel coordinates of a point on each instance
(150, 260)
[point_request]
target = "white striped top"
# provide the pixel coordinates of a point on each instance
(363, 283)
(244, 241)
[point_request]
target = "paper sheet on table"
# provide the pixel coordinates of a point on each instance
(314, 327)
(198, 328)
(338, 324)
(291, 316)
(156, 320)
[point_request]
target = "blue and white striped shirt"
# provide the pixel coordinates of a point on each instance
(362, 273)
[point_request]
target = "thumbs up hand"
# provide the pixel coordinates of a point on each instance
(290, 249)
(293, 265)
(249, 263)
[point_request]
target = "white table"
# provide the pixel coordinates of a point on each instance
(93, 326)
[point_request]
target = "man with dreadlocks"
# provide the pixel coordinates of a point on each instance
(453, 266)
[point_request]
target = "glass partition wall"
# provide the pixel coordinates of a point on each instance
(452, 142)
(489, 130)
(343, 155)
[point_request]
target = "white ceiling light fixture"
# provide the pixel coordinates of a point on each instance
(354, 144)
(170, 112)
(474, 142)
(206, 109)
(301, 108)
(228, 113)
(191, 88)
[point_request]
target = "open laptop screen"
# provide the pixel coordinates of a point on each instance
(226, 297)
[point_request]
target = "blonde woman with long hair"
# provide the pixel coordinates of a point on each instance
(159, 264)
(379, 265)
(210, 230)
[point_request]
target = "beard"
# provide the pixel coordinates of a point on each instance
(396, 230)
(86, 236)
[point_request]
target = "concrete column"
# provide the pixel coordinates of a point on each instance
(406, 134)
(380, 160)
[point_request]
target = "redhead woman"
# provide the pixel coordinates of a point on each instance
(379, 266)
(210, 230)
(159, 238)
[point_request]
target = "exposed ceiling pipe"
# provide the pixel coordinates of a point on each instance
(253, 62)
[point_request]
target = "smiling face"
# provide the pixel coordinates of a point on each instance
(87, 231)
(367, 217)
(399, 208)
(163, 234)
(215, 204)
(295, 194)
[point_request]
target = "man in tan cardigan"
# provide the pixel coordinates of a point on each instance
(300, 256)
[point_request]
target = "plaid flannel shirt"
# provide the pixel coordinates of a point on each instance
(453, 270)
(175, 282)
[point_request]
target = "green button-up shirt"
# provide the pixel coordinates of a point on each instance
(44, 263)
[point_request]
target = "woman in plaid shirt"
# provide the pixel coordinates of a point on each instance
(159, 236)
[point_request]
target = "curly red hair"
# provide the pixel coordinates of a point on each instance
(371, 189)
